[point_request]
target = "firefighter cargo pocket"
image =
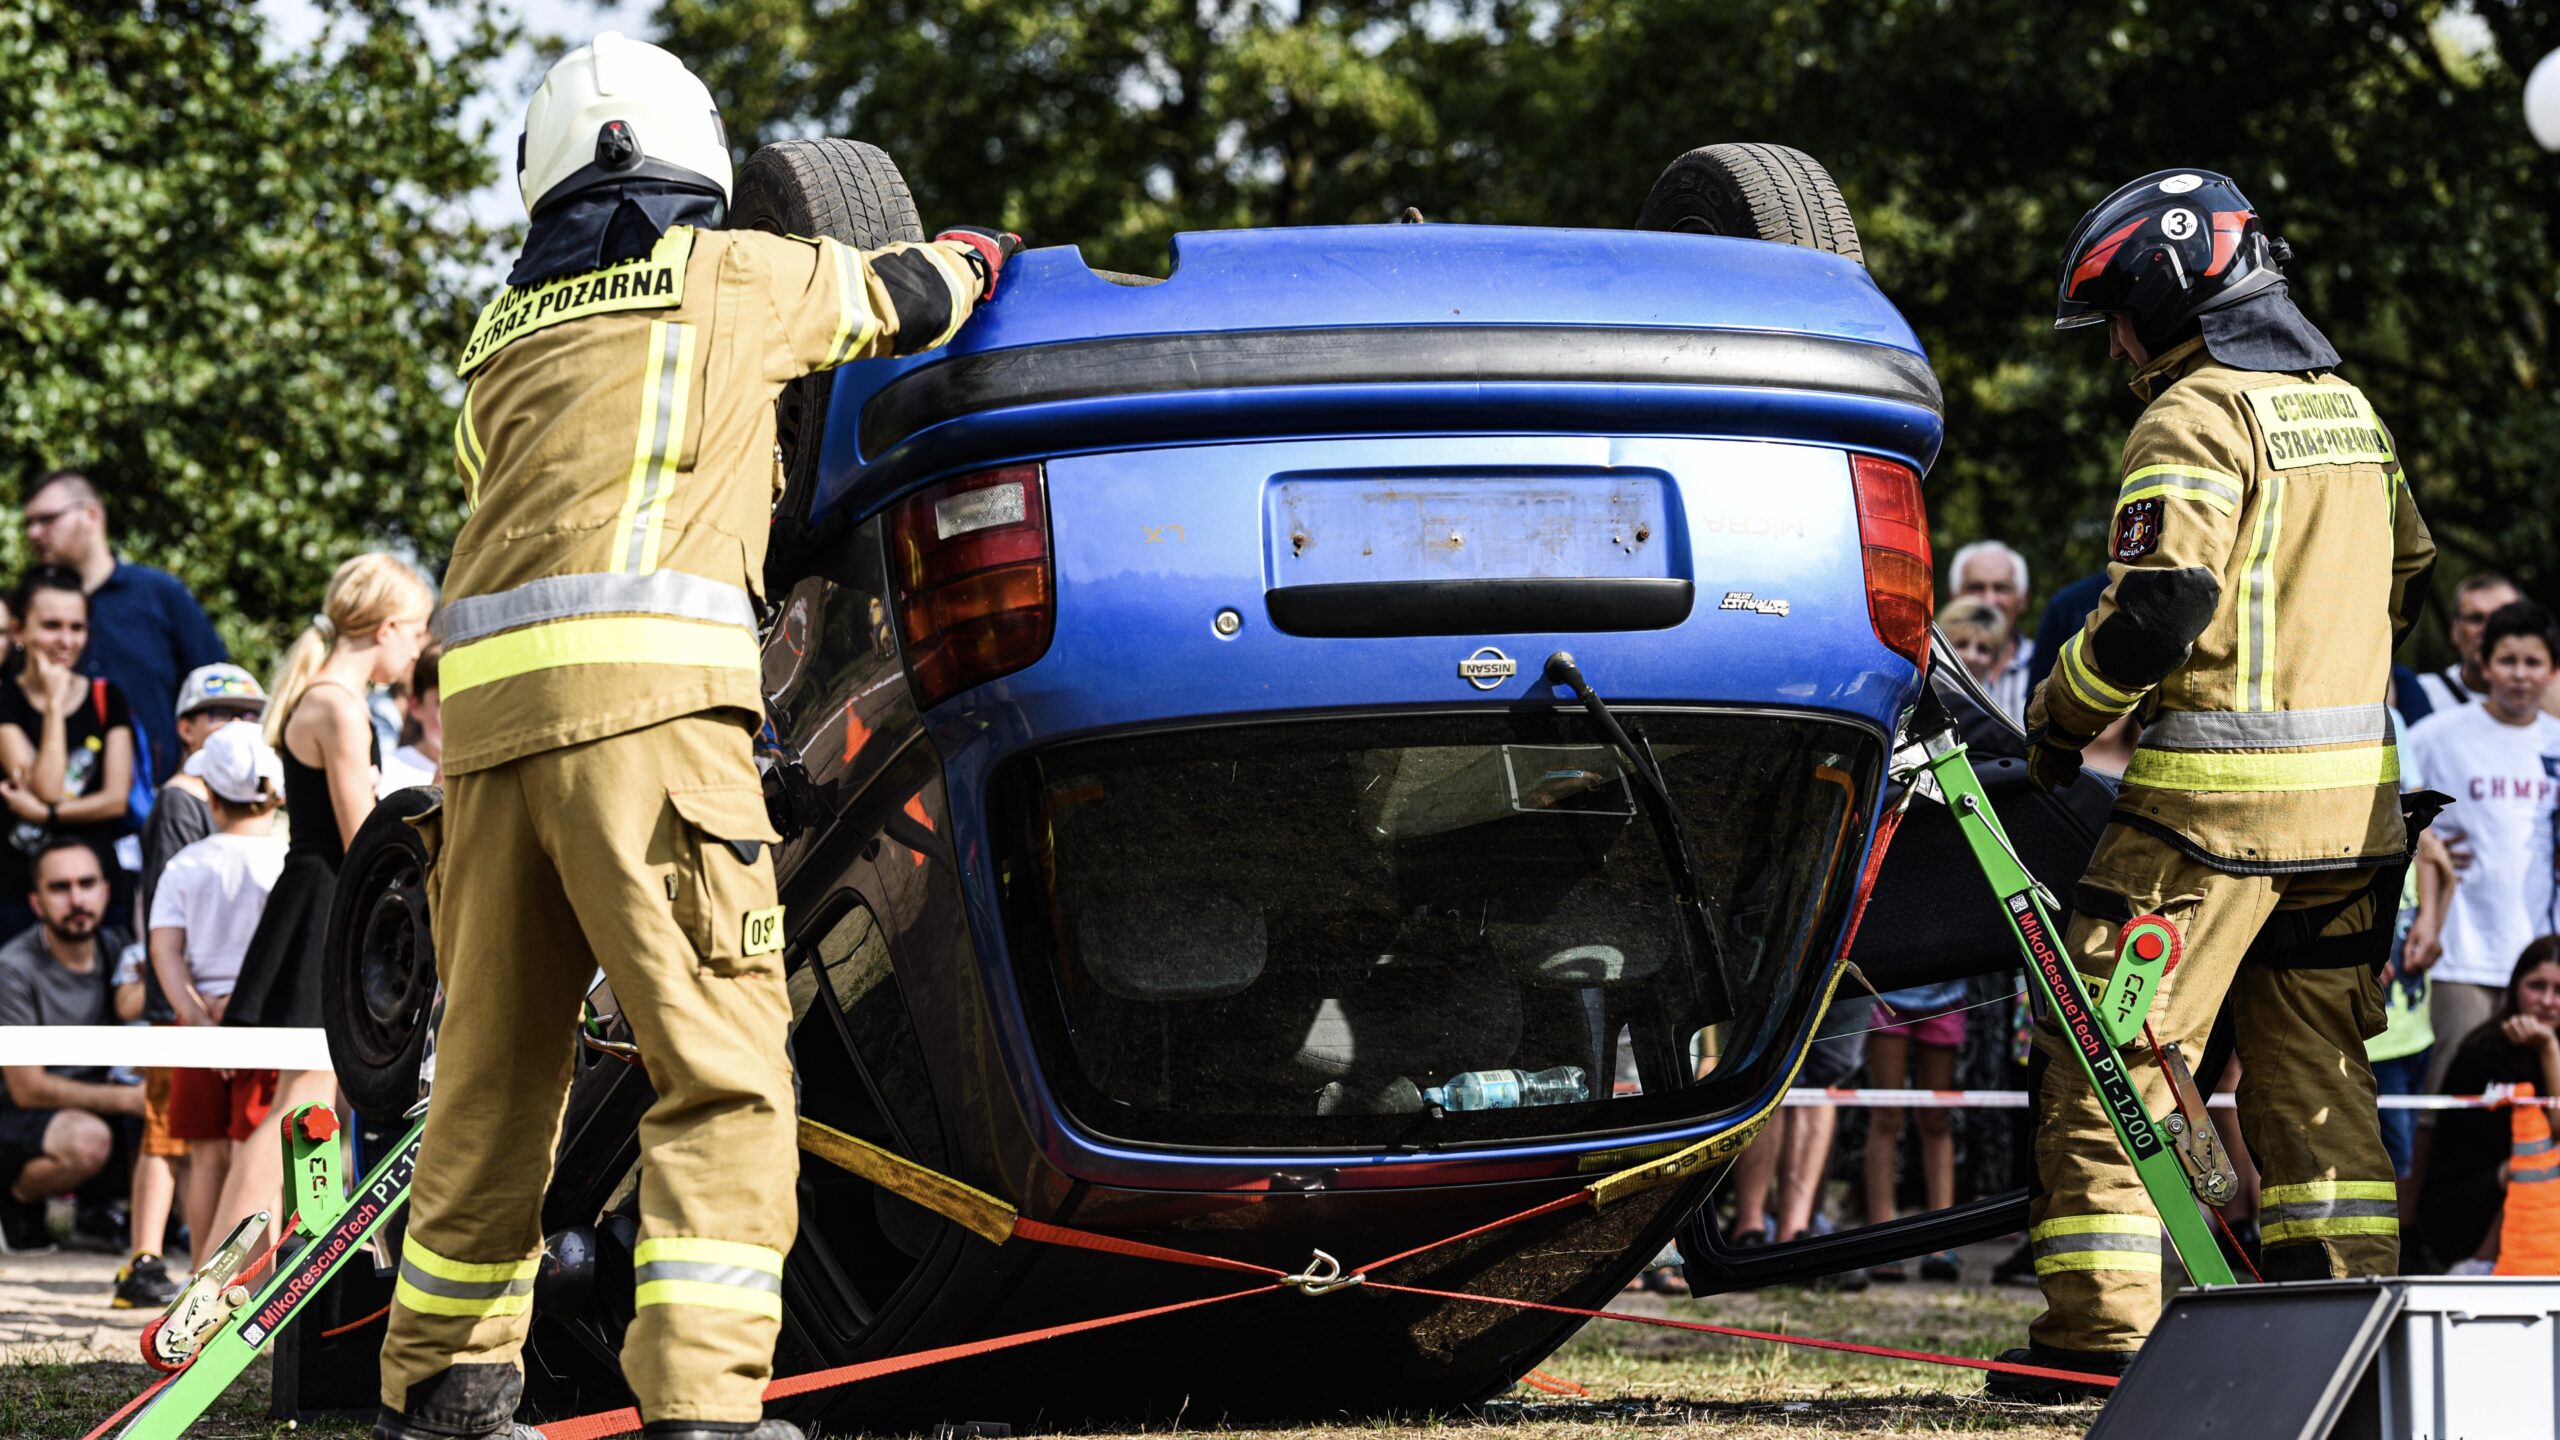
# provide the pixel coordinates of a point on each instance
(722, 887)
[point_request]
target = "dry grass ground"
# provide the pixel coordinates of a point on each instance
(1660, 1384)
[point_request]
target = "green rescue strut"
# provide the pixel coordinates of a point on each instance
(214, 1328)
(2176, 1157)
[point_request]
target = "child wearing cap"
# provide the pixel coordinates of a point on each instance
(211, 697)
(203, 912)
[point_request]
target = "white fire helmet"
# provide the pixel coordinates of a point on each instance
(617, 109)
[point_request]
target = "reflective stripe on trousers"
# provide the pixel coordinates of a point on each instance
(433, 1285)
(722, 1274)
(2096, 1242)
(2321, 1209)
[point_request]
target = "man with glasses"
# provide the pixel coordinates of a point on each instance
(2467, 679)
(145, 627)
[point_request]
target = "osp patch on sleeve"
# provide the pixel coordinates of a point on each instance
(2319, 425)
(763, 931)
(2137, 529)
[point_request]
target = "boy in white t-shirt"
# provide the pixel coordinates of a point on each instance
(2500, 761)
(203, 913)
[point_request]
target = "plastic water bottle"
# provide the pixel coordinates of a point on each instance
(1510, 1089)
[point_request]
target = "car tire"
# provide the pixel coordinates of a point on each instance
(381, 957)
(842, 190)
(1753, 192)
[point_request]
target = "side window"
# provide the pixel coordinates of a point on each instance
(880, 1091)
(831, 663)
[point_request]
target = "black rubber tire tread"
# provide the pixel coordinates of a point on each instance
(1753, 192)
(843, 190)
(379, 1071)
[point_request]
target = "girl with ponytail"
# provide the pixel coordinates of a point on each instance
(369, 631)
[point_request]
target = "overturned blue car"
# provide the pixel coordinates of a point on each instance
(1312, 760)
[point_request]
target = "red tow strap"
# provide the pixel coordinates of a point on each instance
(1026, 1228)
(623, 1422)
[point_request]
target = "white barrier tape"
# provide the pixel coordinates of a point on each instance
(173, 1047)
(2018, 1100)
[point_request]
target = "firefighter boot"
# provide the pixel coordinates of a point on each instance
(462, 1402)
(2042, 1390)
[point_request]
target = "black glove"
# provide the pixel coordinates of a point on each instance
(987, 252)
(2053, 758)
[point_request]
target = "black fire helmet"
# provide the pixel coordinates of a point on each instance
(2164, 249)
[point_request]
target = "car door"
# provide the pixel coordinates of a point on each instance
(1931, 920)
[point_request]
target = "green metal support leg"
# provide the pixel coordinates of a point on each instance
(2093, 1028)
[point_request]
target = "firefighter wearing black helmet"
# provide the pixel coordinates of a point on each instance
(2264, 557)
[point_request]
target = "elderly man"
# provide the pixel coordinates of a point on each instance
(2466, 680)
(1990, 571)
(145, 628)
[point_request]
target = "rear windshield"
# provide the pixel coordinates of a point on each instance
(1420, 931)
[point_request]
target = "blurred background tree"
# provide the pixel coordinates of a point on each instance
(232, 276)
(2386, 141)
(229, 279)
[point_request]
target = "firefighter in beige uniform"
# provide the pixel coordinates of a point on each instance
(2265, 557)
(602, 806)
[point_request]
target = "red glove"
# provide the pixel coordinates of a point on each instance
(987, 251)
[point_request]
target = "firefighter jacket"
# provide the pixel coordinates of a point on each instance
(616, 444)
(2265, 558)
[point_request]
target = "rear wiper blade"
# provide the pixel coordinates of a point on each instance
(1715, 995)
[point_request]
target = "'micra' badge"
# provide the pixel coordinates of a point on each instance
(2137, 530)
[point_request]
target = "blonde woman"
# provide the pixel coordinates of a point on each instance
(1979, 633)
(368, 632)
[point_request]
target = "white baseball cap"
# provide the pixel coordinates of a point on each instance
(239, 765)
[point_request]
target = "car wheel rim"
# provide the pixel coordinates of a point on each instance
(393, 977)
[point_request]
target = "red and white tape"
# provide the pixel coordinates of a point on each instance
(2019, 1099)
(171, 1047)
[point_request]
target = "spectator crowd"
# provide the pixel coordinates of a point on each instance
(172, 834)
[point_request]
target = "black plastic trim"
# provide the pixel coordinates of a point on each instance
(1380, 354)
(1479, 607)
(1712, 1267)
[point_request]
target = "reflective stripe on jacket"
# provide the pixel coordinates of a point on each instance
(616, 446)
(2265, 556)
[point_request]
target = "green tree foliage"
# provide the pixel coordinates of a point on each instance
(1968, 137)
(229, 280)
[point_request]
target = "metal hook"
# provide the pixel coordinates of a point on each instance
(1322, 1276)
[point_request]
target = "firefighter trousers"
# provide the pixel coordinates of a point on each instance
(643, 853)
(2327, 1205)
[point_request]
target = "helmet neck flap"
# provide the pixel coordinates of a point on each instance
(2266, 331)
(600, 227)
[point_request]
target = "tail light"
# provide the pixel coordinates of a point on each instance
(1895, 532)
(970, 558)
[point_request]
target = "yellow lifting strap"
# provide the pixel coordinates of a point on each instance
(970, 1208)
(983, 1214)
